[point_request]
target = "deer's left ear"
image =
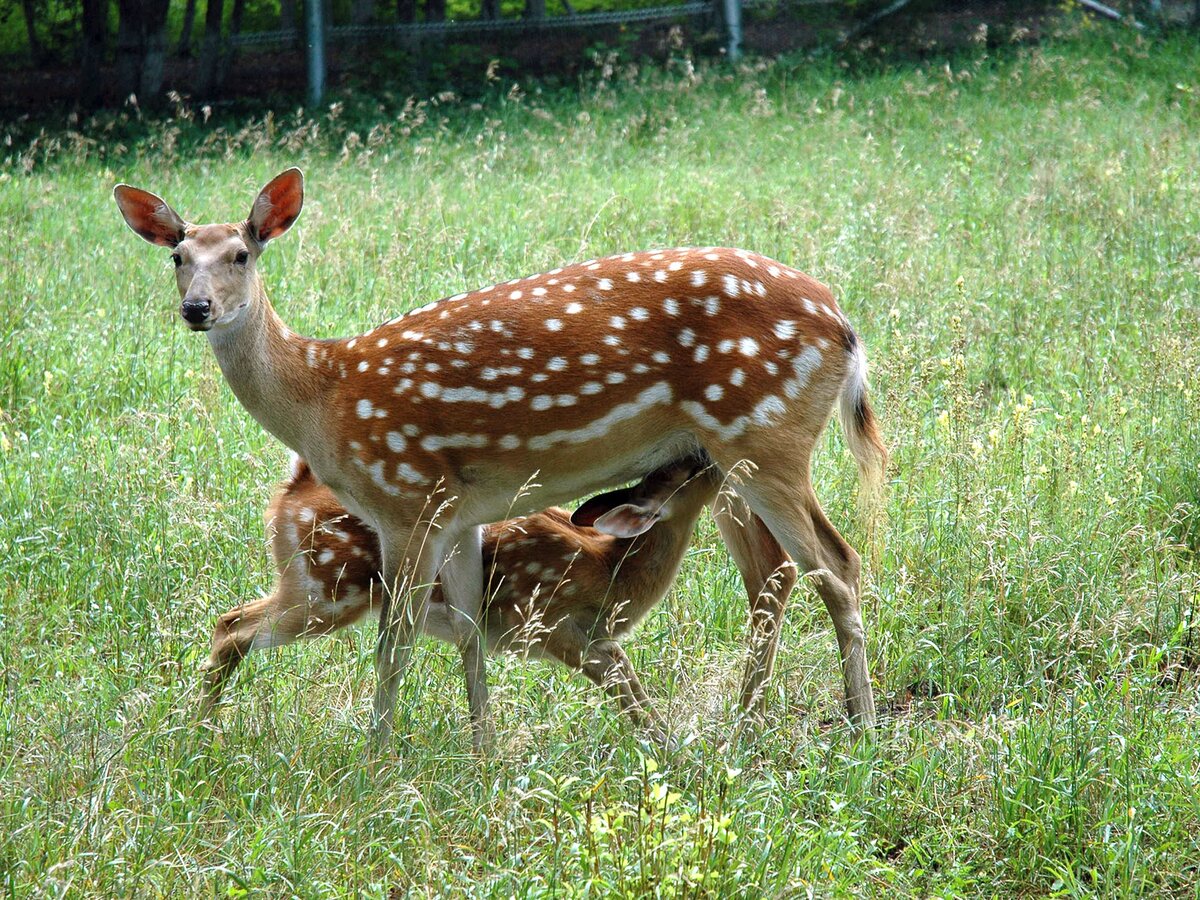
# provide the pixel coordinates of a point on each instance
(149, 216)
(277, 206)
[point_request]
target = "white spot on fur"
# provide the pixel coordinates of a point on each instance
(433, 443)
(671, 307)
(396, 442)
(654, 395)
(405, 472)
(639, 314)
(748, 346)
(554, 325)
(687, 337)
(803, 366)
(699, 277)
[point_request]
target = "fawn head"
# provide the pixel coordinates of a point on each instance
(631, 511)
(215, 264)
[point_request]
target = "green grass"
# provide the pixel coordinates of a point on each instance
(1018, 242)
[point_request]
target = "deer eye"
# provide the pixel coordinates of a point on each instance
(241, 257)
(177, 259)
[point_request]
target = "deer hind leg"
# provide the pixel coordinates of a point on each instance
(606, 665)
(462, 587)
(795, 518)
(282, 617)
(769, 576)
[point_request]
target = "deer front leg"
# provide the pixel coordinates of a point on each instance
(407, 585)
(462, 586)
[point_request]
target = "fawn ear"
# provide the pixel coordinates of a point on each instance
(277, 206)
(594, 507)
(626, 521)
(149, 216)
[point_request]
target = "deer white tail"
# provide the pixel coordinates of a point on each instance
(861, 427)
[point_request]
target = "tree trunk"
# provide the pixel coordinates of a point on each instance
(95, 31)
(362, 12)
(235, 28)
(288, 20)
(129, 47)
(435, 10)
(406, 11)
(535, 9)
(491, 9)
(141, 48)
(36, 51)
(210, 48)
(185, 36)
(154, 49)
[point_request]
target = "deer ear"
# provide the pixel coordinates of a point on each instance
(149, 216)
(594, 507)
(626, 521)
(277, 206)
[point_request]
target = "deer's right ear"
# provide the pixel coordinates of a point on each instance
(149, 216)
(277, 205)
(626, 521)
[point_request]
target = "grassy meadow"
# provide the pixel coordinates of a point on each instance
(1015, 236)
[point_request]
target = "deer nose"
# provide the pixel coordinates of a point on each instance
(195, 311)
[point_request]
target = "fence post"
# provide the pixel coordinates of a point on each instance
(315, 22)
(732, 10)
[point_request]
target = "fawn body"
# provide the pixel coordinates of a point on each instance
(554, 588)
(517, 396)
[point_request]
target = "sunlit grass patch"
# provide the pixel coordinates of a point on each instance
(1016, 241)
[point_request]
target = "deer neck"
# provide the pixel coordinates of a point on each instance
(265, 366)
(650, 562)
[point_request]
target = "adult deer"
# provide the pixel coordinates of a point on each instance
(588, 376)
(556, 587)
